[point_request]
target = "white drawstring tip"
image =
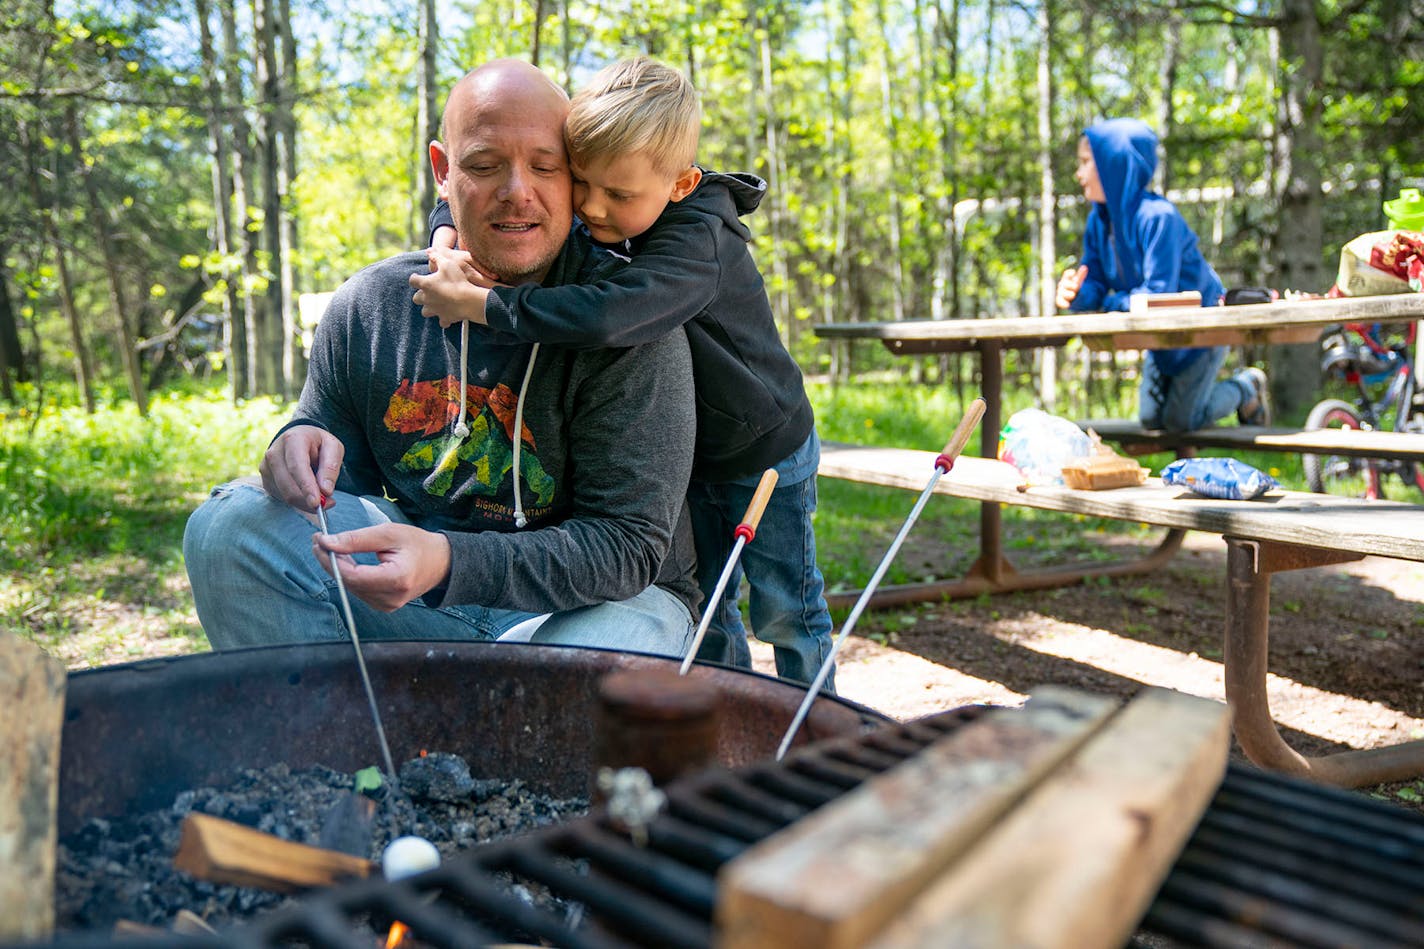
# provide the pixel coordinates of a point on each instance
(462, 430)
(519, 519)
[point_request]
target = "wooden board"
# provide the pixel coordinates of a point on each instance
(31, 716)
(222, 851)
(1351, 525)
(836, 877)
(1077, 863)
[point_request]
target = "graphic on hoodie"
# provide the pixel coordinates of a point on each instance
(430, 408)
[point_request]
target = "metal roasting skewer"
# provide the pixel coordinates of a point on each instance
(744, 533)
(356, 644)
(942, 464)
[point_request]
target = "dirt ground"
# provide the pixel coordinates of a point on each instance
(1347, 648)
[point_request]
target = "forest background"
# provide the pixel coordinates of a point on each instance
(174, 175)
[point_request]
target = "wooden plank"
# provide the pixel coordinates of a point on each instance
(1077, 863)
(1383, 528)
(1274, 318)
(838, 876)
(222, 851)
(31, 717)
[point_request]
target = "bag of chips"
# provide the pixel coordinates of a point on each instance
(1223, 478)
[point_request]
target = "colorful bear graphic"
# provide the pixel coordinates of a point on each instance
(431, 409)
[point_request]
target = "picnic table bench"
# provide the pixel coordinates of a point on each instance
(1282, 530)
(1136, 440)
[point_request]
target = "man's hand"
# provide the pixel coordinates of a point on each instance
(412, 561)
(1068, 285)
(301, 466)
(454, 290)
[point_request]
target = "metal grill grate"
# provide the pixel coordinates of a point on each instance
(1275, 861)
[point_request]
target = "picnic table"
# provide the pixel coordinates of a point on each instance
(1161, 327)
(1281, 531)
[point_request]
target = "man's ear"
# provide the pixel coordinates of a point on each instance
(440, 164)
(685, 182)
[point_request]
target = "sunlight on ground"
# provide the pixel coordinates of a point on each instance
(900, 684)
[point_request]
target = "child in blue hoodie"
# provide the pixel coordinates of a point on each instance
(632, 135)
(1138, 242)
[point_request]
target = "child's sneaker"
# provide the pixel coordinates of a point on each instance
(1256, 409)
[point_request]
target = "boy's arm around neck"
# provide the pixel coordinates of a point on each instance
(674, 276)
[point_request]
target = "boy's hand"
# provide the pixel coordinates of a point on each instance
(1068, 285)
(411, 562)
(454, 290)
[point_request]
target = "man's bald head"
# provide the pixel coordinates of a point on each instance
(503, 168)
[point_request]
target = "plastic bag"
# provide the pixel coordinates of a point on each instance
(1224, 478)
(1380, 262)
(1039, 444)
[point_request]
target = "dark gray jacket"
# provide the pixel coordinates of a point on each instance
(605, 455)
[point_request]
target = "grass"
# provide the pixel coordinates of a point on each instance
(90, 551)
(91, 544)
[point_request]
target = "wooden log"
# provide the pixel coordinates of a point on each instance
(221, 851)
(31, 717)
(1077, 863)
(837, 877)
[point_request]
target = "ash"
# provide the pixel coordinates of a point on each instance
(123, 868)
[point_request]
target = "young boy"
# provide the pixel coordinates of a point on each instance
(632, 137)
(1138, 242)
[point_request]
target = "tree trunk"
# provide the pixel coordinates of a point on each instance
(776, 173)
(1167, 86)
(892, 135)
(12, 354)
(100, 223)
(293, 359)
(253, 313)
(1047, 201)
(427, 120)
(83, 361)
(275, 353)
(1299, 238)
(234, 328)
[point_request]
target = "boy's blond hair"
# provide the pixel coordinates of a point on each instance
(637, 106)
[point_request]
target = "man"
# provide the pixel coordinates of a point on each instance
(476, 486)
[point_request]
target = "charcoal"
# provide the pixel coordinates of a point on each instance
(122, 867)
(437, 776)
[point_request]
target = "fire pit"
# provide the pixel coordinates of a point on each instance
(136, 735)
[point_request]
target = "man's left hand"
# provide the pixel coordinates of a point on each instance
(412, 561)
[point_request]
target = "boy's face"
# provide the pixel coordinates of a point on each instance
(1087, 174)
(621, 197)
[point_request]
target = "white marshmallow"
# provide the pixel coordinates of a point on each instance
(407, 856)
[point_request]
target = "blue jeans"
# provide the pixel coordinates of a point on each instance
(256, 583)
(788, 606)
(1191, 399)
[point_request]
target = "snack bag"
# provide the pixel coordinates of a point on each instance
(1380, 262)
(1039, 444)
(1224, 478)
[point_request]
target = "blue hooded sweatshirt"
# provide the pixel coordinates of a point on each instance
(1138, 242)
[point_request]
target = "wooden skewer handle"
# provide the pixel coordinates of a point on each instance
(960, 438)
(757, 507)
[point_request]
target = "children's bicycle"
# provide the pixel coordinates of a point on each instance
(1388, 399)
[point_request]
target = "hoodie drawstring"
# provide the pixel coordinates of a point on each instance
(461, 429)
(519, 519)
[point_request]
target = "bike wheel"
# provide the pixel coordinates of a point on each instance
(1336, 474)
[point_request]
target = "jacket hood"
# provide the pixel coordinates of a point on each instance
(727, 196)
(1125, 153)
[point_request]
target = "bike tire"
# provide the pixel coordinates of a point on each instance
(1337, 474)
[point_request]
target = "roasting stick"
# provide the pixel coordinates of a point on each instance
(744, 533)
(942, 464)
(356, 643)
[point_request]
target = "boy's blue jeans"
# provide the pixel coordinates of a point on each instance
(1193, 398)
(256, 583)
(788, 606)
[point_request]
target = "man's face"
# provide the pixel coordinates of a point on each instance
(505, 173)
(1087, 174)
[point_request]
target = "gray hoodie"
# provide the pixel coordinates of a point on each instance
(603, 458)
